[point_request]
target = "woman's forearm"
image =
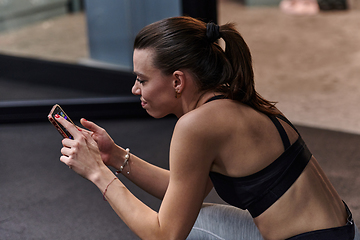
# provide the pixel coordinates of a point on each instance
(176, 215)
(148, 177)
(141, 219)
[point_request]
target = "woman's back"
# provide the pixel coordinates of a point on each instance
(249, 142)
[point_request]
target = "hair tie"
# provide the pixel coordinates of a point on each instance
(212, 32)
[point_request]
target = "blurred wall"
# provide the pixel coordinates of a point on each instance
(113, 25)
(17, 13)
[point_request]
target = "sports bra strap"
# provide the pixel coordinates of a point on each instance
(288, 122)
(281, 130)
(279, 127)
(215, 98)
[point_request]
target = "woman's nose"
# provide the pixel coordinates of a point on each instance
(135, 89)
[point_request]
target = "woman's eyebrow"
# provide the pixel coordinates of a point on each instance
(139, 74)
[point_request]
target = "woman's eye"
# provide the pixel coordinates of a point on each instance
(140, 81)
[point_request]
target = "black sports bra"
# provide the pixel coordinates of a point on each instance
(257, 192)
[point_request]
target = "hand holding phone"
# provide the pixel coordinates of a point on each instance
(56, 109)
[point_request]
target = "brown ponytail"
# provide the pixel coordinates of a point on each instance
(184, 43)
(241, 84)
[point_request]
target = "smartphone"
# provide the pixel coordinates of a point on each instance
(56, 109)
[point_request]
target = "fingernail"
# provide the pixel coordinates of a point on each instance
(57, 115)
(84, 119)
(79, 129)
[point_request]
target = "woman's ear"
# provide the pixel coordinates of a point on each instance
(179, 81)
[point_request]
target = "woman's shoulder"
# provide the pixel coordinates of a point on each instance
(225, 117)
(212, 116)
(203, 130)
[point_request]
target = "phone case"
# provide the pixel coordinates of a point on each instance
(56, 109)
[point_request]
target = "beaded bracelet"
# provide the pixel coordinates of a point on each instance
(107, 188)
(127, 156)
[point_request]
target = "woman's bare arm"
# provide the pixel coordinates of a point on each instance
(149, 177)
(187, 186)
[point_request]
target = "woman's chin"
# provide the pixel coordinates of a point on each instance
(156, 115)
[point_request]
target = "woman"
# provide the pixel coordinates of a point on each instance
(227, 135)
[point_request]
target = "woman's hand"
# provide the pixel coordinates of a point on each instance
(105, 143)
(82, 153)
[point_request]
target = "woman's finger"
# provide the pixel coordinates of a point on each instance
(65, 160)
(66, 151)
(84, 130)
(67, 142)
(90, 125)
(72, 129)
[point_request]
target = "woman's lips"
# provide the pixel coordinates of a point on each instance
(143, 103)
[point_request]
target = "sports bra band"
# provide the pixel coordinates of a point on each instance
(294, 170)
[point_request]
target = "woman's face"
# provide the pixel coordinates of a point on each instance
(156, 91)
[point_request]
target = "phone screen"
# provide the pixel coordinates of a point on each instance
(58, 110)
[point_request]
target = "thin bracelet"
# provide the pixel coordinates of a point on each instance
(127, 156)
(107, 188)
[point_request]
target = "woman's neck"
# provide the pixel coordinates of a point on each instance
(196, 101)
